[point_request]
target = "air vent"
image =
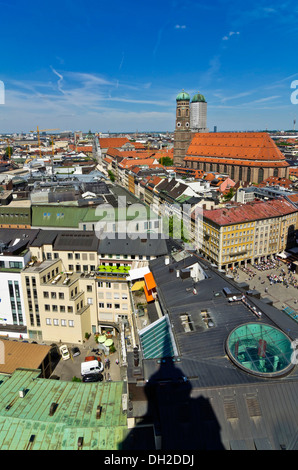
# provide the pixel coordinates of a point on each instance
(53, 408)
(230, 408)
(253, 406)
(98, 412)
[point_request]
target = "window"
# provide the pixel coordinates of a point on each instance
(47, 308)
(89, 301)
(48, 321)
(62, 308)
(70, 256)
(101, 305)
(71, 323)
(69, 309)
(54, 308)
(63, 323)
(16, 288)
(117, 306)
(108, 285)
(109, 305)
(89, 288)
(61, 295)
(53, 295)
(77, 256)
(56, 322)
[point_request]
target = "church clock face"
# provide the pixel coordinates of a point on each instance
(187, 124)
(178, 124)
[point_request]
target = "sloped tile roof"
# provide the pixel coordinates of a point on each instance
(249, 212)
(239, 148)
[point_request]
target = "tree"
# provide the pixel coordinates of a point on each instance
(166, 161)
(176, 229)
(111, 175)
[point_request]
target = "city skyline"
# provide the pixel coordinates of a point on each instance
(119, 69)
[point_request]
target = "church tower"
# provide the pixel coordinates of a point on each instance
(182, 134)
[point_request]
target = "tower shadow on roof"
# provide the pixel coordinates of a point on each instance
(178, 420)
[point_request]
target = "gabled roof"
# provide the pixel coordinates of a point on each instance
(116, 142)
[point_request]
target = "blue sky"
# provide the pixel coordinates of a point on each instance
(118, 65)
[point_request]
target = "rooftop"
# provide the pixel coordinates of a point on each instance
(250, 211)
(60, 415)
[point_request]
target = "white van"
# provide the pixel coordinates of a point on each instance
(91, 367)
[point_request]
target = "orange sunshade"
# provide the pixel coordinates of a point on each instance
(149, 281)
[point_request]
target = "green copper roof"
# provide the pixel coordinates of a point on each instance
(198, 98)
(183, 96)
(25, 423)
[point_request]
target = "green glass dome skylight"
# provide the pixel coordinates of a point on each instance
(260, 349)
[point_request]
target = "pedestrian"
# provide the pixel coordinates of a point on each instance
(117, 362)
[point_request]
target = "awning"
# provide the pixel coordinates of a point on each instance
(138, 285)
(149, 296)
(150, 282)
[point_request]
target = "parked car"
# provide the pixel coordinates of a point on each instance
(64, 352)
(93, 378)
(75, 352)
(90, 358)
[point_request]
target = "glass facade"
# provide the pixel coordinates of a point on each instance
(260, 349)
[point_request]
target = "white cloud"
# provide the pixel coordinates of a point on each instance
(180, 26)
(231, 33)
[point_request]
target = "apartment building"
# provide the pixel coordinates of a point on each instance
(64, 305)
(62, 285)
(247, 233)
(14, 256)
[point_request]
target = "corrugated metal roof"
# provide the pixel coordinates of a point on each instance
(28, 418)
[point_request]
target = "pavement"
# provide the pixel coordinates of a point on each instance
(70, 368)
(281, 295)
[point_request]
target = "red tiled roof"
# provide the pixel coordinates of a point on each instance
(127, 163)
(112, 152)
(81, 148)
(115, 142)
(249, 212)
(276, 181)
(239, 148)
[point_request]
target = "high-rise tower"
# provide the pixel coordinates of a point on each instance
(182, 134)
(198, 114)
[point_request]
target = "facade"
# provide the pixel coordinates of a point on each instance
(61, 285)
(182, 134)
(248, 233)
